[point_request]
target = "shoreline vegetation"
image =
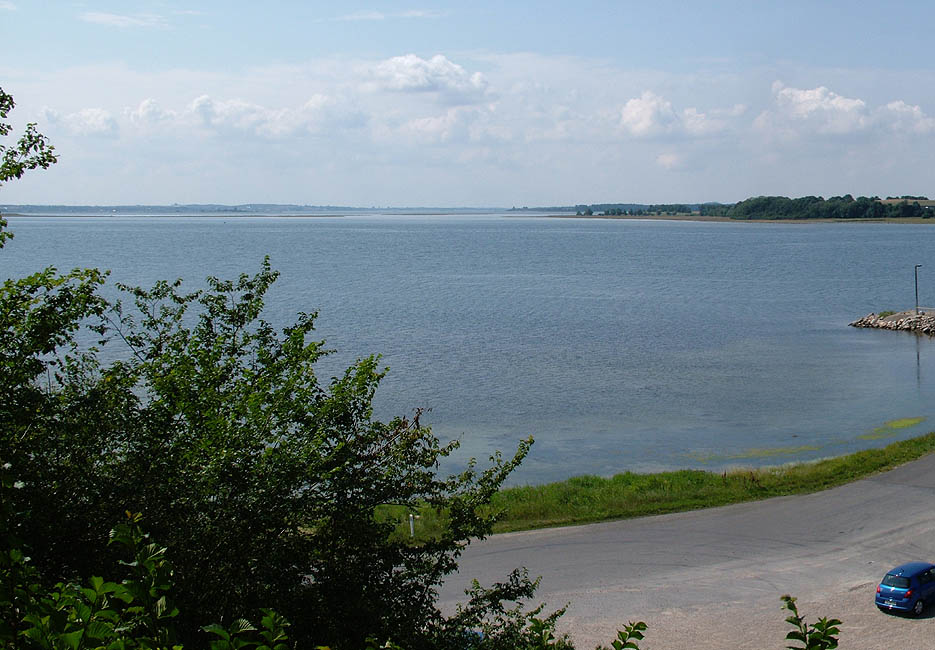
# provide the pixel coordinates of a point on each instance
(588, 499)
(695, 217)
(809, 209)
(591, 499)
(762, 208)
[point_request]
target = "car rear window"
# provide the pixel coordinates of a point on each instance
(896, 581)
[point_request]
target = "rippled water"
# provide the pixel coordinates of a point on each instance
(620, 345)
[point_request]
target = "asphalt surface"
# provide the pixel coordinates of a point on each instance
(713, 578)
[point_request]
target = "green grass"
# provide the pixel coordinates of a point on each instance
(884, 314)
(587, 499)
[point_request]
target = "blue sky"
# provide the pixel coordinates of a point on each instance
(471, 104)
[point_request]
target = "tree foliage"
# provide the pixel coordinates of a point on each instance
(262, 481)
(136, 613)
(816, 207)
(31, 151)
(633, 209)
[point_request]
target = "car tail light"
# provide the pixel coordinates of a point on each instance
(878, 588)
(908, 594)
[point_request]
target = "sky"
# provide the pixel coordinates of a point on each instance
(475, 104)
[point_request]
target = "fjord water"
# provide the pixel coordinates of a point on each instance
(620, 345)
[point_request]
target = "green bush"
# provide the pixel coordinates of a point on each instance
(135, 613)
(265, 483)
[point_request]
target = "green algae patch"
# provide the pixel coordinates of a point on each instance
(891, 428)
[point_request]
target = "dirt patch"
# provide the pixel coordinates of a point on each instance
(761, 626)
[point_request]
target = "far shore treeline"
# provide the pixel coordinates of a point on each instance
(769, 208)
(816, 207)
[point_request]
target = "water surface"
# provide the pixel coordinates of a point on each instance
(620, 345)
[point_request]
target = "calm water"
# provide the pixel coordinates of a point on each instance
(620, 345)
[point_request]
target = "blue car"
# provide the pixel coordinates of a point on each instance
(907, 588)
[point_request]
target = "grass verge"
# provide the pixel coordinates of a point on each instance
(585, 499)
(589, 499)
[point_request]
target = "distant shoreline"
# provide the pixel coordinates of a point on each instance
(505, 213)
(635, 217)
(698, 217)
(103, 215)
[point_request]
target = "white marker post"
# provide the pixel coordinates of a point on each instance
(412, 524)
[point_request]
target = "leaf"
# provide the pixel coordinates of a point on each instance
(99, 630)
(217, 630)
(72, 639)
(241, 625)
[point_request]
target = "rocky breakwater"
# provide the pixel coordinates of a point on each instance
(908, 321)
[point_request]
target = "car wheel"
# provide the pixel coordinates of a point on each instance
(918, 607)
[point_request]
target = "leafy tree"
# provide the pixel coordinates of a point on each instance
(266, 484)
(263, 481)
(815, 207)
(135, 613)
(32, 150)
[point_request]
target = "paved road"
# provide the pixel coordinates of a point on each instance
(686, 573)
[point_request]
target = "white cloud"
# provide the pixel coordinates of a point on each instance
(85, 122)
(233, 113)
(318, 114)
(904, 118)
(148, 112)
(527, 124)
(826, 111)
(651, 115)
(714, 121)
(438, 128)
(697, 123)
(648, 115)
(410, 73)
(123, 21)
(5, 5)
(459, 124)
(819, 111)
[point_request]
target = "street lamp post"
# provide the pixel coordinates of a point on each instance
(917, 287)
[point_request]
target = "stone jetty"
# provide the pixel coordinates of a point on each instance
(907, 321)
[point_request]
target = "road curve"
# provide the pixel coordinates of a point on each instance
(698, 577)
